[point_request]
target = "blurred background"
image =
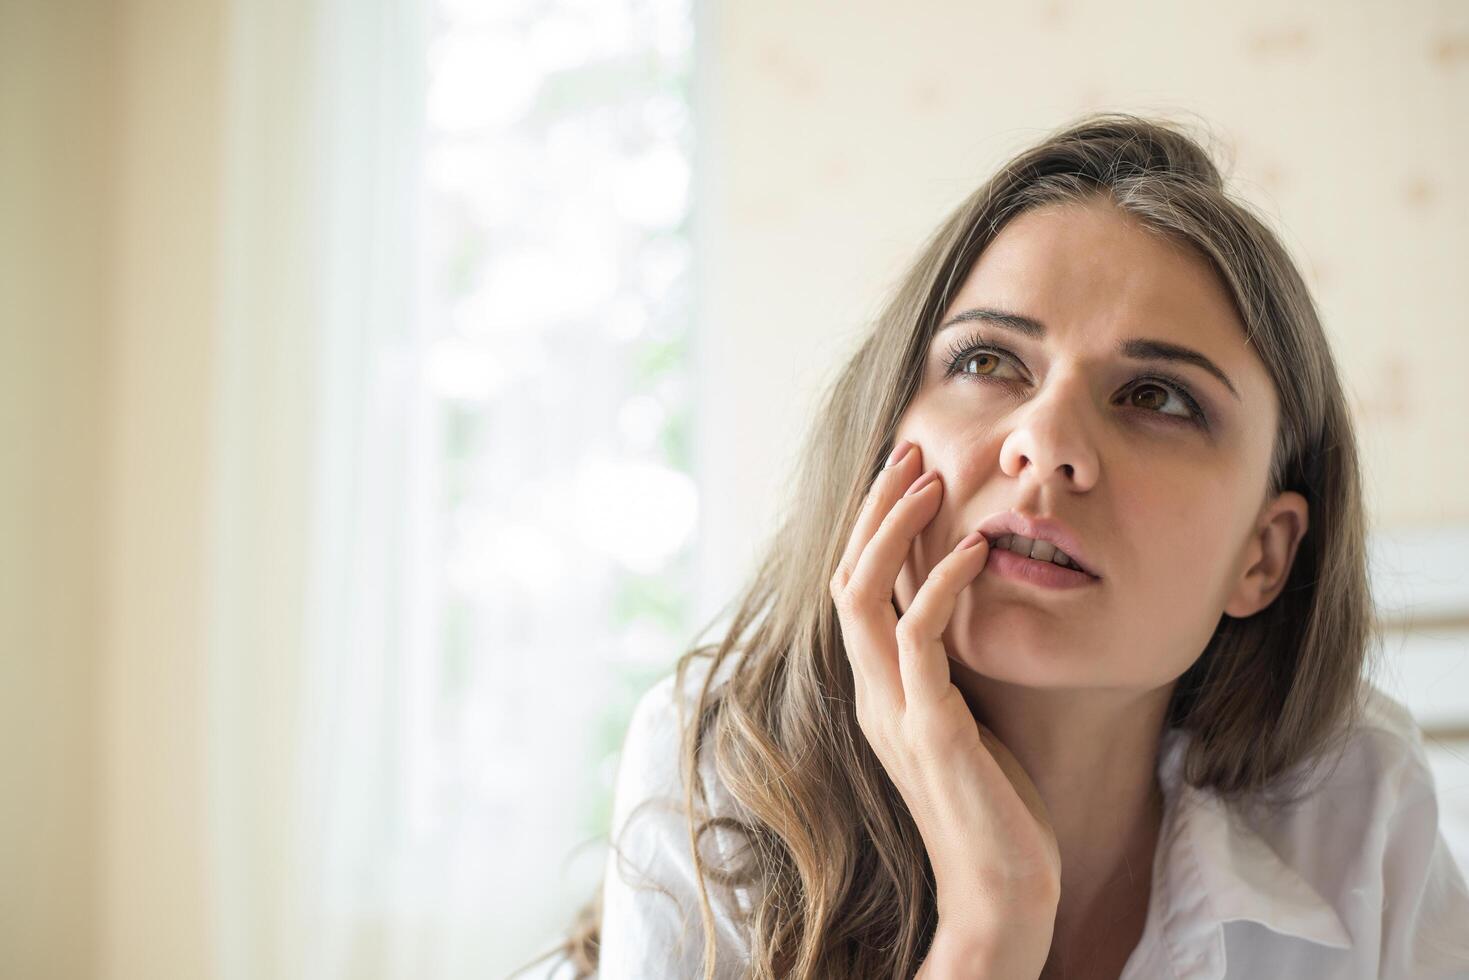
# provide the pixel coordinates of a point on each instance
(391, 389)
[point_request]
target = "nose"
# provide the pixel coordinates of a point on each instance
(1050, 439)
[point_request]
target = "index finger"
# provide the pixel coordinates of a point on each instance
(871, 647)
(886, 489)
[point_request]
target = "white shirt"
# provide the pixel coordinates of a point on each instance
(1354, 881)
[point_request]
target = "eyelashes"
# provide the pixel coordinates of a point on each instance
(967, 347)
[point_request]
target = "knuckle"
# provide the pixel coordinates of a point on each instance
(877, 726)
(939, 575)
(838, 583)
(894, 517)
(907, 633)
(859, 596)
(870, 502)
(938, 730)
(844, 600)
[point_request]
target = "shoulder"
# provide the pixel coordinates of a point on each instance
(1389, 718)
(651, 924)
(1355, 803)
(650, 770)
(1366, 776)
(1367, 839)
(662, 705)
(652, 748)
(1386, 750)
(1424, 904)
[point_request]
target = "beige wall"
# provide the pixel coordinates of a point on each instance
(55, 68)
(107, 224)
(163, 253)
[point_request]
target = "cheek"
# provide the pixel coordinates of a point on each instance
(1181, 522)
(967, 459)
(1182, 552)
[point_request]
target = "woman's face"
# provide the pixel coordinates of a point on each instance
(1170, 510)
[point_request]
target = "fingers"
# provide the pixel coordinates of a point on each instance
(870, 621)
(882, 559)
(889, 485)
(923, 660)
(867, 631)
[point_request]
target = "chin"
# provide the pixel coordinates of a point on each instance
(1017, 659)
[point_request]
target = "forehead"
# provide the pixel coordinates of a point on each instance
(1092, 270)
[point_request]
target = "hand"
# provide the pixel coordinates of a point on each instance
(996, 862)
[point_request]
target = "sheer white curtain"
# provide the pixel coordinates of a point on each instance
(313, 518)
(452, 520)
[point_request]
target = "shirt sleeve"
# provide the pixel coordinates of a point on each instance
(1425, 928)
(651, 921)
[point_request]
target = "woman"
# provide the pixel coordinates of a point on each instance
(1148, 749)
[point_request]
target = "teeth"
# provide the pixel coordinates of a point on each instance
(1032, 548)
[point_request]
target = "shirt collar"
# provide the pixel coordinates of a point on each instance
(1224, 869)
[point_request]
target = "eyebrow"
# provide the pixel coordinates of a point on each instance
(1136, 348)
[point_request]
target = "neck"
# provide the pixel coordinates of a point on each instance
(1092, 754)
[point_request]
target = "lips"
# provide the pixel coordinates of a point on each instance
(1046, 529)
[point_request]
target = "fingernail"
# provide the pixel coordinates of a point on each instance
(970, 541)
(922, 482)
(899, 451)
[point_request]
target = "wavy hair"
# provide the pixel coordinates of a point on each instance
(845, 885)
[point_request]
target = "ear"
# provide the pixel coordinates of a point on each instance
(1269, 554)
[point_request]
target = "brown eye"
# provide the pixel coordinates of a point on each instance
(1154, 397)
(992, 360)
(969, 351)
(1158, 400)
(987, 363)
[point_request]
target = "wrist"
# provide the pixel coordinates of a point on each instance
(963, 954)
(954, 955)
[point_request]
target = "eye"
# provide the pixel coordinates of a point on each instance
(1191, 411)
(989, 359)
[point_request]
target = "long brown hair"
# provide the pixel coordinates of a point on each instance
(845, 885)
